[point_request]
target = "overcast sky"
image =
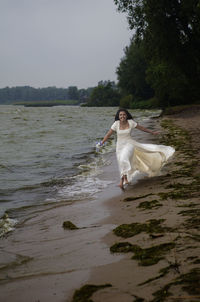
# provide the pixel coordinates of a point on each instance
(60, 42)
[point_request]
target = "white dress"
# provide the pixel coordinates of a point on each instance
(133, 156)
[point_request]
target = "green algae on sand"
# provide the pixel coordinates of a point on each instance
(189, 282)
(145, 257)
(132, 229)
(148, 205)
(131, 198)
(85, 292)
(194, 220)
(162, 294)
(69, 225)
(163, 272)
(152, 255)
(138, 299)
(121, 247)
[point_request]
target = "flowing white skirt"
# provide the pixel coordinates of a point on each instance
(146, 158)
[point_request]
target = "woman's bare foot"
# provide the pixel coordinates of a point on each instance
(121, 187)
(121, 183)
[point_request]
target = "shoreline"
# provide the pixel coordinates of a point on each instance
(69, 260)
(171, 271)
(41, 261)
(44, 262)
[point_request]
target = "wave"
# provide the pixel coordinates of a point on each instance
(62, 166)
(7, 225)
(83, 187)
(74, 184)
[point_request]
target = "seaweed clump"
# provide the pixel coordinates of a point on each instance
(138, 299)
(194, 220)
(69, 225)
(190, 283)
(152, 255)
(122, 247)
(182, 191)
(176, 137)
(163, 272)
(179, 194)
(132, 229)
(146, 257)
(136, 197)
(162, 294)
(148, 205)
(85, 292)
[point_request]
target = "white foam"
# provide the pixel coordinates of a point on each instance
(7, 225)
(83, 187)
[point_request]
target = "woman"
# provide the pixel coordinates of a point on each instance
(133, 156)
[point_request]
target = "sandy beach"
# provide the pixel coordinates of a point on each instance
(157, 229)
(138, 245)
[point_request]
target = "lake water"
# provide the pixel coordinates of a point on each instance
(48, 156)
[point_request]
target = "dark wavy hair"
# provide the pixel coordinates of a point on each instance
(129, 116)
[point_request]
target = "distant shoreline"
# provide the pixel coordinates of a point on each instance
(48, 103)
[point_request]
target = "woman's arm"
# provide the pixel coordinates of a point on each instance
(146, 130)
(108, 134)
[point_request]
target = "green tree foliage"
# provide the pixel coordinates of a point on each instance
(105, 94)
(132, 72)
(126, 101)
(170, 32)
(73, 93)
(29, 94)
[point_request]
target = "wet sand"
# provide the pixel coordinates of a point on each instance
(50, 263)
(41, 261)
(175, 195)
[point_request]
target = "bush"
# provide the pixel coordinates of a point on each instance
(148, 104)
(126, 101)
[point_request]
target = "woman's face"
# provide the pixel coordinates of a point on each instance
(122, 116)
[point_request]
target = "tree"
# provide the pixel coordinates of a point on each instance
(104, 95)
(73, 93)
(170, 31)
(132, 72)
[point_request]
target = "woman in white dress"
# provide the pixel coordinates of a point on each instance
(133, 156)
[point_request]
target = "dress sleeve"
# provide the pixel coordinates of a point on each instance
(132, 123)
(114, 126)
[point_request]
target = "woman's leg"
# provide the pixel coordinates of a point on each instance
(125, 179)
(124, 161)
(121, 183)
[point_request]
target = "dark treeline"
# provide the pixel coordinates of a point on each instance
(162, 62)
(10, 95)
